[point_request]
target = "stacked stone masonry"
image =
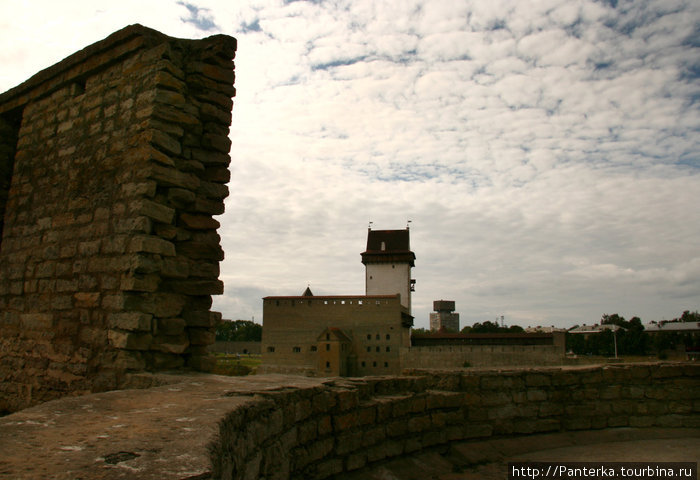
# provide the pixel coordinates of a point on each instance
(113, 164)
(350, 424)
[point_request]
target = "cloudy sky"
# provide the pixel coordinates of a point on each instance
(547, 153)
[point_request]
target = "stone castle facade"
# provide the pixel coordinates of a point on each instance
(347, 335)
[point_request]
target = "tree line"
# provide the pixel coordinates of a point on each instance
(238, 331)
(632, 339)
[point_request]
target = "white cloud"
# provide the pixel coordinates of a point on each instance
(546, 152)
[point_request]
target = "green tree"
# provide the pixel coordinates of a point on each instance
(239, 331)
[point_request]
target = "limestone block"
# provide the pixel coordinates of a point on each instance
(175, 267)
(36, 321)
(201, 336)
(87, 299)
(153, 210)
(151, 244)
(164, 305)
(129, 340)
(180, 197)
(171, 343)
(170, 326)
(139, 283)
(131, 321)
(199, 222)
(161, 360)
(171, 177)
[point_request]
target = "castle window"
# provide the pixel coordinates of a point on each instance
(388, 349)
(388, 337)
(364, 364)
(377, 350)
(314, 348)
(374, 364)
(277, 303)
(359, 302)
(369, 336)
(386, 364)
(328, 336)
(271, 349)
(378, 337)
(369, 349)
(296, 349)
(328, 347)
(328, 364)
(383, 246)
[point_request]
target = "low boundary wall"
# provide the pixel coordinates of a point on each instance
(347, 424)
(457, 356)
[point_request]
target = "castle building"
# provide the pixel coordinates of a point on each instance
(348, 335)
(444, 317)
(388, 260)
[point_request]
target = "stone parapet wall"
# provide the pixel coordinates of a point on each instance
(349, 424)
(109, 252)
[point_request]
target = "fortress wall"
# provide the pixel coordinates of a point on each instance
(116, 160)
(456, 356)
(349, 424)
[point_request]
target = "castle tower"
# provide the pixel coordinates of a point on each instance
(388, 260)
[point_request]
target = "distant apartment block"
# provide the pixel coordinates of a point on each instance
(444, 318)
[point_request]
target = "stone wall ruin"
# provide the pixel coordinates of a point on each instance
(113, 163)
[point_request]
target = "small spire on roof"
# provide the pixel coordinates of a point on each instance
(307, 292)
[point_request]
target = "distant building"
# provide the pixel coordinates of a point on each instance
(358, 335)
(540, 329)
(347, 335)
(587, 330)
(444, 317)
(388, 260)
(679, 327)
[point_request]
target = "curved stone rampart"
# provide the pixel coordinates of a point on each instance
(283, 426)
(348, 424)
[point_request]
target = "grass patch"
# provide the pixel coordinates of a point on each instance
(236, 365)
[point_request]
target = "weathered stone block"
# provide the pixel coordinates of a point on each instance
(131, 321)
(36, 321)
(129, 340)
(151, 244)
(201, 336)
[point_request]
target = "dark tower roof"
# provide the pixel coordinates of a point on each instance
(388, 246)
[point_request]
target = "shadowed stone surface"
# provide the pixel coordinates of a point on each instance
(425, 425)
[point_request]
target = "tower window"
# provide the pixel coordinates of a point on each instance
(296, 349)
